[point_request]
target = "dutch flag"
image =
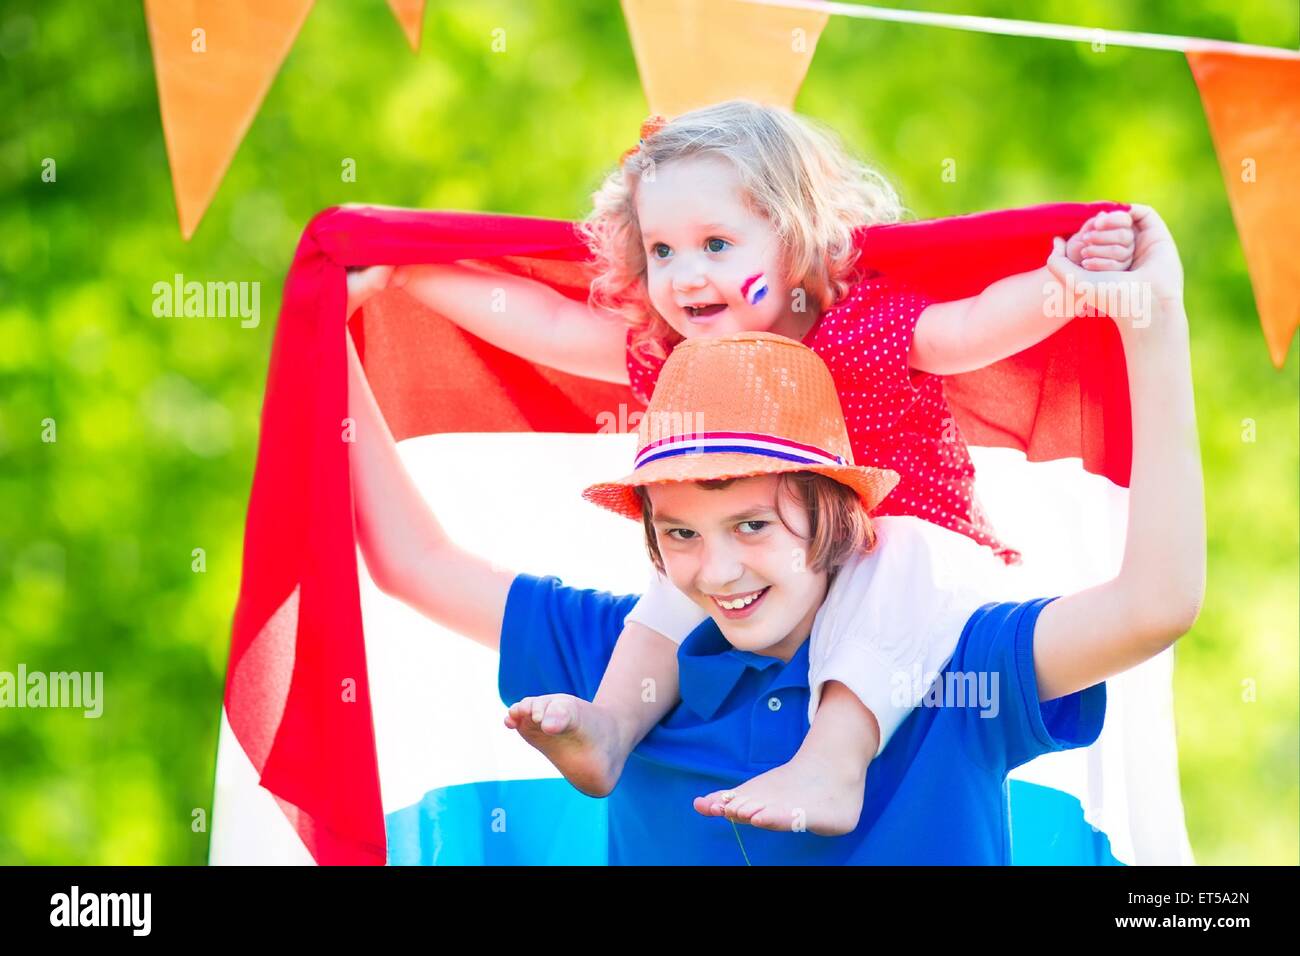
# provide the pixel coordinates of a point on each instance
(356, 731)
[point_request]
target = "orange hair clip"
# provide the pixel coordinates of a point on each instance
(653, 124)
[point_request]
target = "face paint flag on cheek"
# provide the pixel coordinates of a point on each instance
(754, 289)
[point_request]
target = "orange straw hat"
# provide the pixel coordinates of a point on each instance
(751, 403)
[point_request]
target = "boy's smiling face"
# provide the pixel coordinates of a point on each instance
(730, 544)
(701, 242)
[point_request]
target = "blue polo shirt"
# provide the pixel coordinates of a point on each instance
(936, 794)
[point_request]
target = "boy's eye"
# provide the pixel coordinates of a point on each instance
(709, 244)
(673, 532)
(756, 525)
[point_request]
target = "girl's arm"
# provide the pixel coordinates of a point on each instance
(406, 550)
(1083, 638)
(1019, 311)
(523, 316)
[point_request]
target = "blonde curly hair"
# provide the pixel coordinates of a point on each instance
(793, 171)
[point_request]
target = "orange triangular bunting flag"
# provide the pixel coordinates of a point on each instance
(410, 14)
(215, 60)
(695, 52)
(1252, 105)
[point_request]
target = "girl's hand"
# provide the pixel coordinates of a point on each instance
(1104, 243)
(365, 284)
(1154, 282)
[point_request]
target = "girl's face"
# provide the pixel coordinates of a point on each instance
(701, 243)
(730, 544)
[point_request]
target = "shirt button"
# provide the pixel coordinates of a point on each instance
(774, 703)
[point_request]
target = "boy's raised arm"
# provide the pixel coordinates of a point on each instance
(406, 550)
(1083, 638)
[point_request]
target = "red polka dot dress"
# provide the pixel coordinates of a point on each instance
(897, 417)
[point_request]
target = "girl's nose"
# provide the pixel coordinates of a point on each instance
(689, 275)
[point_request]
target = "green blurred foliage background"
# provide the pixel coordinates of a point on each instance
(158, 418)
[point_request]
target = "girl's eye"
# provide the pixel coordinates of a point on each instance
(672, 533)
(654, 250)
(756, 525)
(709, 244)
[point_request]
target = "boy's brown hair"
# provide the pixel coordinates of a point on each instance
(839, 527)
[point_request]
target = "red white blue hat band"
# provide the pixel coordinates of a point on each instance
(745, 443)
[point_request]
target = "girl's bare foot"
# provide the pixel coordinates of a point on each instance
(810, 793)
(581, 739)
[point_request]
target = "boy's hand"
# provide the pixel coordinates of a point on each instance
(365, 284)
(1154, 281)
(1104, 243)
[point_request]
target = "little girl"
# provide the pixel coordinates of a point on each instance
(741, 217)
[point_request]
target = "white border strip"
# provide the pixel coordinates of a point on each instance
(1029, 28)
